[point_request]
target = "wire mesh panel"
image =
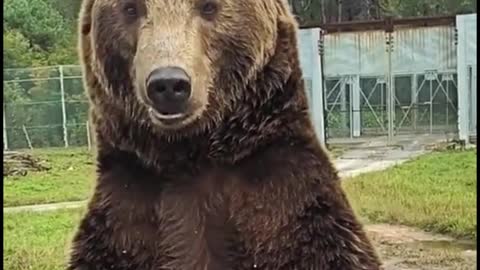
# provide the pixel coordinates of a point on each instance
(76, 106)
(426, 103)
(405, 112)
(338, 107)
(373, 105)
(44, 107)
(33, 110)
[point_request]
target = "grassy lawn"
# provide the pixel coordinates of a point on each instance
(436, 192)
(70, 178)
(38, 241)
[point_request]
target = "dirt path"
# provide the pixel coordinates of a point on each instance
(405, 248)
(44, 207)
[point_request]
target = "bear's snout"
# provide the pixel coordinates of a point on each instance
(169, 90)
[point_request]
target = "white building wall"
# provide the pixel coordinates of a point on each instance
(466, 70)
(312, 73)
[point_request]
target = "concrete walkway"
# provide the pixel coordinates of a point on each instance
(44, 207)
(376, 154)
(367, 156)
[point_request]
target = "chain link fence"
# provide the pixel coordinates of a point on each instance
(44, 107)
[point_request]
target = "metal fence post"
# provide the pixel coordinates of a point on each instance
(390, 91)
(431, 106)
(64, 111)
(414, 101)
(5, 138)
(89, 140)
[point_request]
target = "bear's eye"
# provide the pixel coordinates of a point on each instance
(130, 10)
(208, 9)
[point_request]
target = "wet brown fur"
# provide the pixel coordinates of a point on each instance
(246, 185)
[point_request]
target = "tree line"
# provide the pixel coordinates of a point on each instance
(42, 32)
(331, 11)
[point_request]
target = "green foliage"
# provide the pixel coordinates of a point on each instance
(43, 32)
(329, 11)
(42, 25)
(17, 51)
(414, 8)
(69, 9)
(39, 32)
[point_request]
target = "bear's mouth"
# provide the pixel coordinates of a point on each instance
(167, 119)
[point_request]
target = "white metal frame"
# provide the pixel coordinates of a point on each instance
(312, 68)
(466, 60)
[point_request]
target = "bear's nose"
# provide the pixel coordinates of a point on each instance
(169, 89)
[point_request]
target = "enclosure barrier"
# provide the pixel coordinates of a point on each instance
(380, 78)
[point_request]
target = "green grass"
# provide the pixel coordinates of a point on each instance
(436, 192)
(38, 241)
(70, 178)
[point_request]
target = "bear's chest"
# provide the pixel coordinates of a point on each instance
(181, 227)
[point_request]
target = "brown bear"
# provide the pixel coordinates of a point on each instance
(206, 154)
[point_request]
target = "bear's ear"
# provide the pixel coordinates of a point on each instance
(286, 23)
(284, 15)
(285, 55)
(85, 17)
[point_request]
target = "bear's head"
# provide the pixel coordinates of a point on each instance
(175, 68)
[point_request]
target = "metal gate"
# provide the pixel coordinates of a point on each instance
(338, 107)
(426, 103)
(355, 106)
(373, 106)
(393, 78)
